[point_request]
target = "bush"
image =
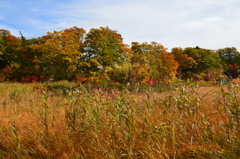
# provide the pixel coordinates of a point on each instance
(2, 77)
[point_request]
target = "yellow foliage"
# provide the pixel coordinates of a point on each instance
(140, 74)
(94, 62)
(37, 67)
(69, 60)
(36, 61)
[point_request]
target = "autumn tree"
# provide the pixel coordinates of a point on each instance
(151, 60)
(102, 48)
(9, 47)
(195, 61)
(185, 62)
(57, 54)
(230, 57)
(167, 66)
(9, 50)
(140, 68)
(29, 58)
(121, 73)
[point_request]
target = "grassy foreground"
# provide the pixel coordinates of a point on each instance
(53, 121)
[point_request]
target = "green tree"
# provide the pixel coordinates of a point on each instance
(208, 59)
(195, 61)
(229, 55)
(102, 48)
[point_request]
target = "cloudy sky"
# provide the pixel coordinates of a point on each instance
(210, 24)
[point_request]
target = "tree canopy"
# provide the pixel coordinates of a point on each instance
(102, 48)
(73, 52)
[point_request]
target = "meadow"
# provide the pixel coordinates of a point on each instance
(67, 120)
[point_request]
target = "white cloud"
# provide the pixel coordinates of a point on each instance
(208, 23)
(12, 30)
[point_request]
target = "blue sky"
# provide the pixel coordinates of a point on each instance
(210, 24)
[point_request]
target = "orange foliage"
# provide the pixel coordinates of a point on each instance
(236, 81)
(6, 71)
(170, 65)
(139, 74)
(185, 61)
(92, 80)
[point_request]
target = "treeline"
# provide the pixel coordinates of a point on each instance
(74, 54)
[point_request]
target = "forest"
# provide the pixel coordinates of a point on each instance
(100, 54)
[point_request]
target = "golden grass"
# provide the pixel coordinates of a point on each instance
(189, 122)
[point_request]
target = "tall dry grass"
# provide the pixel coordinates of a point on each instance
(188, 122)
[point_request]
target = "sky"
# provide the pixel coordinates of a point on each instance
(210, 24)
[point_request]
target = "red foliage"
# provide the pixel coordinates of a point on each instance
(233, 71)
(6, 71)
(30, 79)
(92, 80)
(151, 82)
(231, 67)
(81, 80)
(236, 81)
(165, 82)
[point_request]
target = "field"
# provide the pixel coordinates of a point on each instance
(68, 120)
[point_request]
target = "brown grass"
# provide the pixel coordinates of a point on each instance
(194, 122)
